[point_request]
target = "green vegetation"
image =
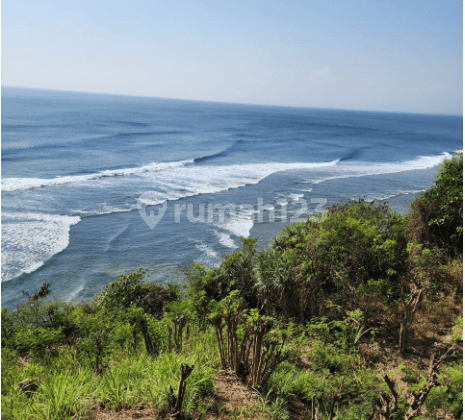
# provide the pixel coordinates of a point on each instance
(437, 216)
(357, 317)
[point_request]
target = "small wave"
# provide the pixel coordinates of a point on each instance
(295, 197)
(237, 224)
(354, 154)
(153, 198)
(359, 169)
(103, 210)
(125, 135)
(114, 237)
(210, 256)
(388, 195)
(132, 123)
(75, 292)
(226, 240)
(224, 152)
(34, 216)
(210, 157)
(18, 184)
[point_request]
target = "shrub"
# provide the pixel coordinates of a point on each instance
(235, 272)
(356, 254)
(436, 217)
(246, 341)
(129, 289)
(36, 326)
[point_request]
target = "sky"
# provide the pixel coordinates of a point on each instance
(400, 56)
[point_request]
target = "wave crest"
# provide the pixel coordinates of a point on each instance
(19, 184)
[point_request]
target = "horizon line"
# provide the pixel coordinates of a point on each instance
(234, 103)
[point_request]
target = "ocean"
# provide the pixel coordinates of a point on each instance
(96, 185)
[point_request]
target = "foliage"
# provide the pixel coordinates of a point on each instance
(311, 265)
(449, 394)
(437, 216)
(343, 333)
(334, 375)
(426, 266)
(246, 340)
(36, 326)
(129, 289)
(236, 272)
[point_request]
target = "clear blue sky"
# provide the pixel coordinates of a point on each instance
(375, 55)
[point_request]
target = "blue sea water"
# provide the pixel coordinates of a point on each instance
(80, 170)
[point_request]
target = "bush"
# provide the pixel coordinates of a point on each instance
(129, 289)
(36, 326)
(236, 272)
(436, 217)
(356, 254)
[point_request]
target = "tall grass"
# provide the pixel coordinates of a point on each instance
(67, 392)
(143, 378)
(62, 394)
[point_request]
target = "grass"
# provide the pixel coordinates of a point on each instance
(67, 390)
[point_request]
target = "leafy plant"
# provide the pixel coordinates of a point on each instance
(129, 289)
(437, 216)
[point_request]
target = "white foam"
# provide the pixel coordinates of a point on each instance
(103, 209)
(31, 240)
(295, 197)
(237, 224)
(184, 178)
(18, 184)
(387, 195)
(226, 240)
(359, 169)
(210, 256)
(183, 181)
(175, 180)
(188, 181)
(153, 198)
(194, 180)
